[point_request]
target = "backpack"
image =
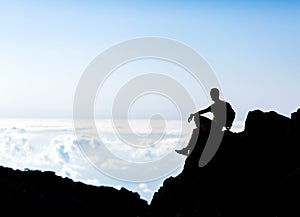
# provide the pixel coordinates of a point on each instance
(230, 116)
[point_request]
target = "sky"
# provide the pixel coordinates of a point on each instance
(45, 47)
(252, 46)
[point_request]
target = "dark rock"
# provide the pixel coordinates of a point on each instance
(36, 193)
(254, 173)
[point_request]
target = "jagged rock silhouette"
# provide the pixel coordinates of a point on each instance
(254, 173)
(37, 193)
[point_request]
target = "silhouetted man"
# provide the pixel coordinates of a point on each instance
(223, 116)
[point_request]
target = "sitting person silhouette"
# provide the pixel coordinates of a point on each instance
(223, 116)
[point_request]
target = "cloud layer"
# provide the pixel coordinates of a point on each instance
(52, 145)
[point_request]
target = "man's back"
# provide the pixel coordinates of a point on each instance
(223, 113)
(230, 116)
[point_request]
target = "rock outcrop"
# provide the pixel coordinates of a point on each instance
(36, 193)
(254, 173)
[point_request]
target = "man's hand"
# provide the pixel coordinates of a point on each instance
(191, 117)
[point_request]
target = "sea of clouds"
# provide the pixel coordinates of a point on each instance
(51, 145)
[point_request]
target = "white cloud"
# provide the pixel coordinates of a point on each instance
(113, 165)
(144, 188)
(238, 126)
(94, 182)
(51, 145)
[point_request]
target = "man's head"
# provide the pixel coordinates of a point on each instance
(214, 94)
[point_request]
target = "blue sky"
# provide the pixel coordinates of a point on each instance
(252, 46)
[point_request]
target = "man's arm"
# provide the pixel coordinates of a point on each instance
(203, 111)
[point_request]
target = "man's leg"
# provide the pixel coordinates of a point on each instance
(192, 142)
(186, 150)
(203, 124)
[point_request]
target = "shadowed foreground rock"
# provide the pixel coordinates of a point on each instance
(254, 173)
(36, 193)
